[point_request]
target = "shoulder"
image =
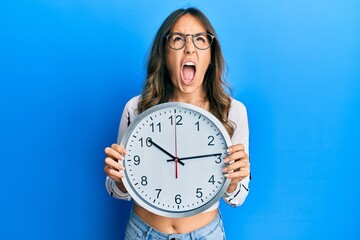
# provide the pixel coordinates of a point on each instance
(238, 117)
(133, 102)
(237, 109)
(237, 105)
(132, 105)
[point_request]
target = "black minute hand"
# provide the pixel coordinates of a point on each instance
(199, 156)
(164, 151)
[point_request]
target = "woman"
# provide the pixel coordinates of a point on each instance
(185, 65)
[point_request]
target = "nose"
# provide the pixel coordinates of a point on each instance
(189, 46)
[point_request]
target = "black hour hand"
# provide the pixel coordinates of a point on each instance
(164, 151)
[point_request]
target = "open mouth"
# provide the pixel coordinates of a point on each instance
(188, 72)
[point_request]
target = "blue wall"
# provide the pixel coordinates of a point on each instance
(68, 67)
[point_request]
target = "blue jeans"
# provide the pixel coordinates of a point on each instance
(137, 229)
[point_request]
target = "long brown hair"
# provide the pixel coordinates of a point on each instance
(158, 87)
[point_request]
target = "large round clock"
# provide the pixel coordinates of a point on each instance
(174, 160)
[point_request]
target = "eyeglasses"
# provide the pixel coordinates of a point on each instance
(200, 40)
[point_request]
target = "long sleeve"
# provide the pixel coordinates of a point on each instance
(114, 191)
(129, 113)
(238, 116)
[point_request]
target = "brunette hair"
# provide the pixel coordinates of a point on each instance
(158, 87)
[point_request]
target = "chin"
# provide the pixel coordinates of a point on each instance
(189, 89)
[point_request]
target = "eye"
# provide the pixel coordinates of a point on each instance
(201, 38)
(177, 38)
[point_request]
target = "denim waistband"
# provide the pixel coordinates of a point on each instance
(148, 230)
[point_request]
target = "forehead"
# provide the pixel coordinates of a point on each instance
(188, 24)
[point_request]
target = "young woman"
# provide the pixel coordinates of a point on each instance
(185, 65)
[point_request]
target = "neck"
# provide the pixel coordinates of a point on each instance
(200, 101)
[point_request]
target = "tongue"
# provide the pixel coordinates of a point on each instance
(188, 73)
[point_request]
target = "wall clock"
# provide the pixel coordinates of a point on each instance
(174, 160)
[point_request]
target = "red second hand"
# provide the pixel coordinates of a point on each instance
(176, 154)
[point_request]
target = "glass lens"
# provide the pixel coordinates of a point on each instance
(202, 40)
(176, 40)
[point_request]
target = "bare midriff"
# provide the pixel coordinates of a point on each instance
(175, 225)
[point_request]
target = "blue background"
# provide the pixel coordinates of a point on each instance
(68, 67)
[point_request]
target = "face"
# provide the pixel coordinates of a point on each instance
(187, 66)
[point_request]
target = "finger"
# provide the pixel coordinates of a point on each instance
(120, 149)
(237, 175)
(238, 165)
(114, 164)
(111, 152)
(235, 148)
(114, 174)
(235, 156)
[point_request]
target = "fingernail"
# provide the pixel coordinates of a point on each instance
(226, 175)
(226, 160)
(229, 150)
(225, 170)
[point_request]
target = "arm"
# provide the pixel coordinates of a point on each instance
(113, 169)
(116, 153)
(239, 168)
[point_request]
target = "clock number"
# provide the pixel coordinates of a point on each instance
(178, 199)
(178, 120)
(199, 193)
(212, 180)
(211, 138)
(153, 127)
(197, 126)
(147, 142)
(159, 191)
(218, 160)
(136, 160)
(144, 180)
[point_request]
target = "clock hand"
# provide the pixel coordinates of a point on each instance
(176, 153)
(164, 151)
(199, 156)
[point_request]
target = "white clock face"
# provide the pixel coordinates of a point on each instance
(174, 160)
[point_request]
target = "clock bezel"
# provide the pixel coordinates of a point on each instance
(131, 189)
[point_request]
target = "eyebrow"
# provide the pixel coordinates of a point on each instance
(188, 33)
(197, 31)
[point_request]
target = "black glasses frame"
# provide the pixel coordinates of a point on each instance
(211, 37)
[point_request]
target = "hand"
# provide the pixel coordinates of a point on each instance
(199, 156)
(164, 151)
(239, 168)
(113, 168)
(176, 151)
